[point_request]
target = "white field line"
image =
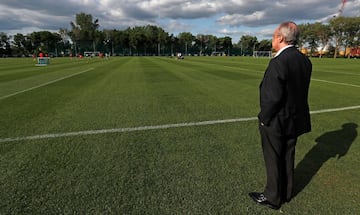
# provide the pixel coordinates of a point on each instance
(44, 84)
(340, 73)
(313, 79)
(335, 109)
(333, 82)
(154, 127)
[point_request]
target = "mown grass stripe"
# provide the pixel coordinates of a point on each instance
(157, 127)
(45, 84)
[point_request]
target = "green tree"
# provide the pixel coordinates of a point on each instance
(338, 28)
(64, 45)
(84, 31)
(110, 40)
(161, 39)
(44, 41)
(125, 40)
(200, 42)
(5, 48)
(303, 35)
(19, 44)
(247, 44)
(138, 40)
(351, 32)
(225, 44)
(206, 44)
(174, 44)
(309, 38)
(186, 39)
(264, 45)
(322, 34)
(151, 34)
(84, 35)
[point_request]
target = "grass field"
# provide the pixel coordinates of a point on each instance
(155, 135)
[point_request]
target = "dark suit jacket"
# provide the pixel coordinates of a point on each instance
(284, 94)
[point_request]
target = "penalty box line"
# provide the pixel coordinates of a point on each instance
(155, 127)
(45, 84)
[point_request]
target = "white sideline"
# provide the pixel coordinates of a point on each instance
(155, 127)
(313, 79)
(341, 73)
(44, 84)
(333, 82)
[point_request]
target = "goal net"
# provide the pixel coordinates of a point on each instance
(91, 54)
(43, 61)
(262, 54)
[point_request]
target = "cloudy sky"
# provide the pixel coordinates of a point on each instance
(217, 17)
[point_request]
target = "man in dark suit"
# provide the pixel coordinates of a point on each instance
(284, 114)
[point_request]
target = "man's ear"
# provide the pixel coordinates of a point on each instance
(281, 39)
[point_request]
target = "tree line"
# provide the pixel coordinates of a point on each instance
(327, 39)
(85, 35)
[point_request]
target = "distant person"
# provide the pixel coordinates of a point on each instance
(180, 56)
(284, 114)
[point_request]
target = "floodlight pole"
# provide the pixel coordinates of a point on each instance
(158, 49)
(241, 49)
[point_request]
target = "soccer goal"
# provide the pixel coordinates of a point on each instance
(218, 54)
(262, 54)
(91, 54)
(43, 61)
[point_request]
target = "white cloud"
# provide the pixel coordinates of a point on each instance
(280, 4)
(178, 8)
(266, 32)
(177, 27)
(173, 15)
(242, 19)
(226, 31)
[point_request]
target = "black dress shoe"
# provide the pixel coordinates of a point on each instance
(262, 200)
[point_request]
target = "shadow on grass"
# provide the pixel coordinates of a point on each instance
(331, 144)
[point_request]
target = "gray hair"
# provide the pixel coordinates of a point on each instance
(290, 31)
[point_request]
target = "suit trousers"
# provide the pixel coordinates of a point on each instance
(279, 157)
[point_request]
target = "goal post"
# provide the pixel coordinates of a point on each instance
(262, 54)
(91, 54)
(43, 61)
